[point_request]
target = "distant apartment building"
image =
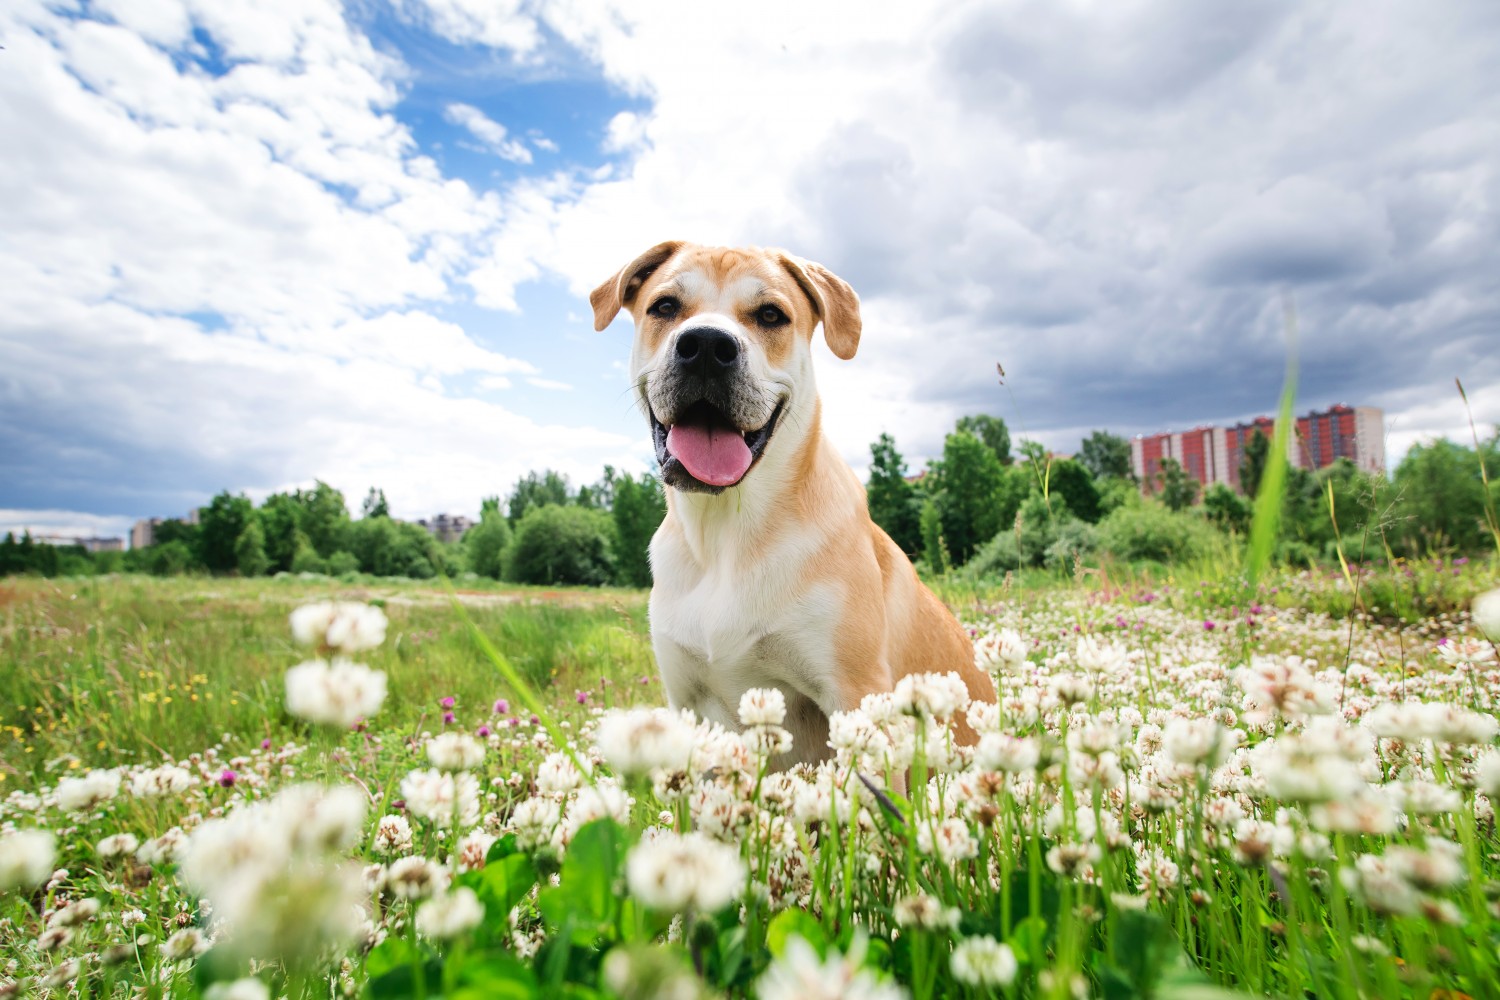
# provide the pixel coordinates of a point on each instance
(446, 527)
(1213, 454)
(143, 532)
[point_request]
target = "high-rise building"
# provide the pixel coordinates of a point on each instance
(1214, 454)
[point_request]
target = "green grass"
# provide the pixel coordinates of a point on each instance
(99, 672)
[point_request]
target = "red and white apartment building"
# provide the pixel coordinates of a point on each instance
(1213, 454)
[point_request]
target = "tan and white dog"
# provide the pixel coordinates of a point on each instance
(768, 570)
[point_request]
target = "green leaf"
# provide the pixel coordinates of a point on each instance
(502, 883)
(1029, 940)
(587, 886)
(795, 923)
(495, 977)
(502, 848)
(392, 953)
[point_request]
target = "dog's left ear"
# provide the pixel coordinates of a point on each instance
(619, 290)
(835, 302)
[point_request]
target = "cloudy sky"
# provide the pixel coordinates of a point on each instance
(250, 243)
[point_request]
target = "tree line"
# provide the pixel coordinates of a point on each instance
(981, 508)
(545, 532)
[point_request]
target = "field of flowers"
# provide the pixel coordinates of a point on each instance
(235, 790)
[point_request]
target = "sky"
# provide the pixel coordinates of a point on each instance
(249, 244)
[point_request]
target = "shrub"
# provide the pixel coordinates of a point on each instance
(1153, 532)
(342, 562)
(306, 559)
(485, 544)
(996, 557)
(562, 545)
(1075, 540)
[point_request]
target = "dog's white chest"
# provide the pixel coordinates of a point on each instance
(721, 632)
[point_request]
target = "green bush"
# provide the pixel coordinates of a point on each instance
(562, 545)
(393, 548)
(307, 560)
(342, 562)
(1075, 540)
(1150, 531)
(998, 556)
(485, 544)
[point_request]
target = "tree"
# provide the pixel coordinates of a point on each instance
(1442, 497)
(557, 544)
(220, 525)
(894, 502)
(538, 489)
(250, 550)
(992, 431)
(1073, 483)
(1226, 508)
(386, 547)
(1178, 489)
(966, 486)
(281, 520)
(1253, 463)
(486, 542)
(638, 508)
(324, 517)
(375, 504)
(1105, 455)
(599, 495)
(934, 548)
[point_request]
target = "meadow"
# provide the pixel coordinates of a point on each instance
(1187, 789)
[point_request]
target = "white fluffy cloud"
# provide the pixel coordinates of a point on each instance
(242, 272)
(1111, 199)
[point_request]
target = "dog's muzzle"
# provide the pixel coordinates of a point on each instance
(702, 443)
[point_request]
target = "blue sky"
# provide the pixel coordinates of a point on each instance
(253, 243)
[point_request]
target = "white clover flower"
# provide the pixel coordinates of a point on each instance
(186, 943)
(983, 961)
(164, 849)
(557, 775)
(1439, 867)
(1000, 652)
(132, 918)
(1198, 742)
(26, 858)
(1457, 651)
(950, 840)
(533, 821)
(247, 988)
(931, 696)
(117, 846)
(767, 741)
(1375, 882)
(1011, 754)
(339, 693)
(160, 782)
(346, 626)
(1486, 612)
(1487, 774)
(675, 872)
(445, 917)
(415, 877)
(94, 788)
(75, 913)
(1365, 812)
(392, 835)
(319, 817)
(1070, 689)
(922, 910)
(638, 741)
(799, 974)
(443, 798)
(763, 707)
(455, 752)
(1073, 860)
(603, 800)
(1099, 657)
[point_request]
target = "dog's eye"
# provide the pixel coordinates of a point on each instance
(770, 316)
(665, 308)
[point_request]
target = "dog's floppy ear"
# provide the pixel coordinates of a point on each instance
(835, 302)
(618, 291)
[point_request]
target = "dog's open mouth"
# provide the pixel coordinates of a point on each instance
(705, 445)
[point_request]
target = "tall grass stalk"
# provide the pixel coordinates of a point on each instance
(1266, 520)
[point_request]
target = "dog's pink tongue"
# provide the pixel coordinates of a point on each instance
(717, 456)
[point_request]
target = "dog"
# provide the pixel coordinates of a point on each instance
(768, 571)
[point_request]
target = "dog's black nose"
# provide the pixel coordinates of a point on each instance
(707, 349)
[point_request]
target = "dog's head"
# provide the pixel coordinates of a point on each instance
(723, 350)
